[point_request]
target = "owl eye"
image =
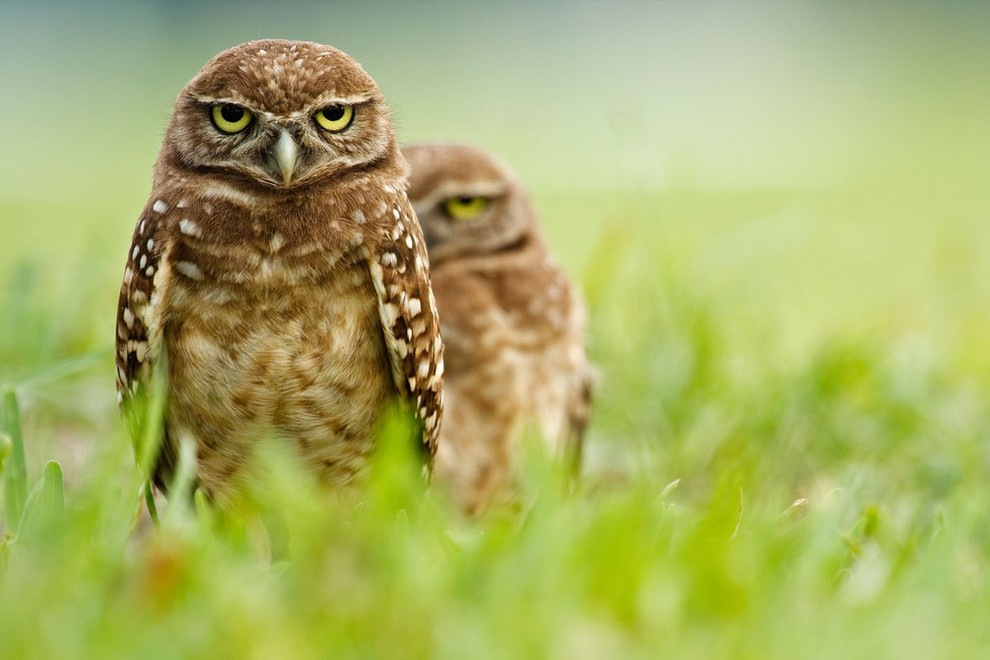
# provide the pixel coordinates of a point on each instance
(335, 118)
(464, 208)
(230, 118)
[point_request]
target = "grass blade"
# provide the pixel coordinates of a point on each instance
(5, 444)
(15, 472)
(149, 500)
(53, 491)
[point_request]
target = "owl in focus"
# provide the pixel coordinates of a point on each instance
(278, 276)
(512, 322)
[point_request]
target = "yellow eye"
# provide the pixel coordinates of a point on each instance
(230, 118)
(464, 208)
(335, 118)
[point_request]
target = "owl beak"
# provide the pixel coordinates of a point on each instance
(284, 155)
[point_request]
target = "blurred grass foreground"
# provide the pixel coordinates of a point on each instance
(779, 214)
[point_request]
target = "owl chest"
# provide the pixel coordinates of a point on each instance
(277, 345)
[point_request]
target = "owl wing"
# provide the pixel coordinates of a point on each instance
(138, 332)
(408, 312)
(136, 294)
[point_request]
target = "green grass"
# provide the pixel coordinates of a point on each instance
(783, 241)
(757, 486)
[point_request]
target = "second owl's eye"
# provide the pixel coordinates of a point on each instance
(335, 118)
(464, 208)
(230, 118)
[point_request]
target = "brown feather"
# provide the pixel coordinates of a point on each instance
(262, 294)
(512, 322)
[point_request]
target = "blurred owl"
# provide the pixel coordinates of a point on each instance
(512, 321)
(278, 275)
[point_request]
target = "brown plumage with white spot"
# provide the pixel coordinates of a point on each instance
(512, 321)
(278, 272)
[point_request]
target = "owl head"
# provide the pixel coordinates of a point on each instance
(467, 201)
(280, 114)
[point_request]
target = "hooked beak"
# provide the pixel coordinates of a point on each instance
(284, 155)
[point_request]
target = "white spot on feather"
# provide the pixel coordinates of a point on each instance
(128, 316)
(229, 193)
(389, 259)
(189, 269)
(189, 228)
(390, 312)
(415, 306)
(159, 207)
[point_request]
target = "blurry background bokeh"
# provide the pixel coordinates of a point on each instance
(811, 170)
(852, 139)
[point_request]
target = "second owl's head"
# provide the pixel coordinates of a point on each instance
(468, 202)
(280, 113)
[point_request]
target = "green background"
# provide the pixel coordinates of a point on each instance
(780, 216)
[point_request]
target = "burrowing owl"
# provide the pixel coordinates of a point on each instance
(512, 322)
(278, 273)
